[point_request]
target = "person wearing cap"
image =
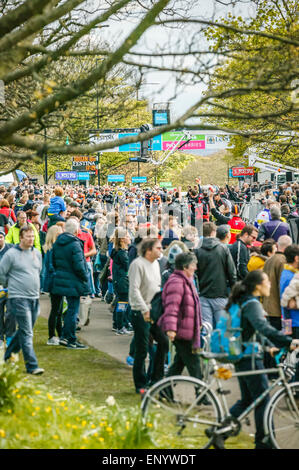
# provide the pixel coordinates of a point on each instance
(7, 321)
(174, 249)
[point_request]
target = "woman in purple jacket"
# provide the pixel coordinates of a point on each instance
(181, 319)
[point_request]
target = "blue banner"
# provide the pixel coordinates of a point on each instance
(139, 179)
(83, 175)
(66, 175)
(116, 178)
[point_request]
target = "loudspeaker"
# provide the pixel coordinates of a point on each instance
(289, 176)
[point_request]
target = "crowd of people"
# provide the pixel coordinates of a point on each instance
(165, 261)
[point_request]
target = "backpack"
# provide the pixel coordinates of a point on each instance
(10, 219)
(157, 309)
(226, 339)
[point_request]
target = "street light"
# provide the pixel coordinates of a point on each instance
(98, 124)
(98, 117)
(137, 99)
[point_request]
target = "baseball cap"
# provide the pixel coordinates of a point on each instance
(173, 252)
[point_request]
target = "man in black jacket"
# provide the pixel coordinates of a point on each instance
(240, 252)
(216, 271)
(71, 279)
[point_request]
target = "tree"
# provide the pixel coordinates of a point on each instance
(276, 64)
(35, 39)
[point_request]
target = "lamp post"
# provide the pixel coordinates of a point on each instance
(98, 128)
(137, 99)
(98, 120)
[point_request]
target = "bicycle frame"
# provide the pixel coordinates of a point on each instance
(254, 404)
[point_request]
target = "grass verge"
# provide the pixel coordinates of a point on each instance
(68, 407)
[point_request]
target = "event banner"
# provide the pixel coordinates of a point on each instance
(85, 163)
(205, 140)
(242, 171)
(66, 175)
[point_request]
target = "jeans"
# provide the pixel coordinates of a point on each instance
(96, 281)
(90, 277)
(70, 319)
(251, 387)
(26, 312)
(7, 321)
(269, 361)
(210, 309)
(55, 317)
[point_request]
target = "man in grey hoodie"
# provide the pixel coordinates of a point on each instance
(20, 272)
(216, 273)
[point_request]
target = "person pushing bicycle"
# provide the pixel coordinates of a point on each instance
(253, 320)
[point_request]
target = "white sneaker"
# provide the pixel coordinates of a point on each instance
(54, 341)
(123, 331)
(37, 371)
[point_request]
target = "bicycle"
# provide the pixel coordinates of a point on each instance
(193, 413)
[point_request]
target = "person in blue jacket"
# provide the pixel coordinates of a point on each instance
(290, 269)
(55, 317)
(71, 279)
(57, 204)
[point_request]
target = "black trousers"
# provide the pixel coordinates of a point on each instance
(269, 361)
(295, 335)
(251, 387)
(55, 317)
(142, 331)
(184, 357)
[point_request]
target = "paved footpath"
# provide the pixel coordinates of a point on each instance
(99, 335)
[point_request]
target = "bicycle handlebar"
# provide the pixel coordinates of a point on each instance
(279, 355)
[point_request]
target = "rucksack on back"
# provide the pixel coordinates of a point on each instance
(156, 310)
(226, 338)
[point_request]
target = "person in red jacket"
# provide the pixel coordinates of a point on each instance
(234, 221)
(8, 212)
(236, 224)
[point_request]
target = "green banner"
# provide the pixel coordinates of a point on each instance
(175, 136)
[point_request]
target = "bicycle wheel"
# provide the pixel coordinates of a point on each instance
(180, 409)
(282, 418)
